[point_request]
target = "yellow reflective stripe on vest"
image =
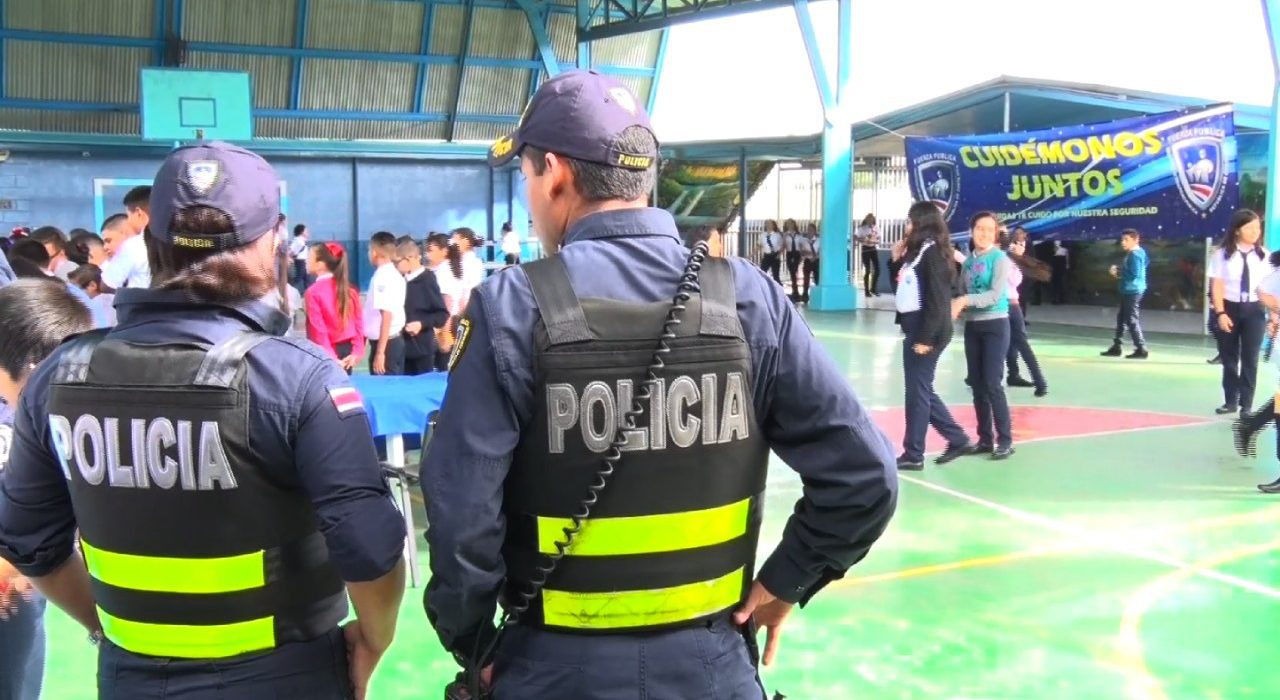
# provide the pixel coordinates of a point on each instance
(647, 534)
(602, 611)
(189, 641)
(171, 575)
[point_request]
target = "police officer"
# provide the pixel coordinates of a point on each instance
(654, 592)
(223, 478)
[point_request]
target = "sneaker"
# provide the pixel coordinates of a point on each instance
(954, 452)
(1246, 443)
(1139, 354)
(980, 448)
(1114, 351)
(1002, 453)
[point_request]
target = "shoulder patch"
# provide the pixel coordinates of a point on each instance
(346, 400)
(460, 345)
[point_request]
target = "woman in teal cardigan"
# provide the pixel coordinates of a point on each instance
(985, 279)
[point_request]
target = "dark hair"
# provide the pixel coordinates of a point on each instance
(1240, 219)
(225, 276)
(696, 235)
(790, 225)
(383, 242)
(506, 227)
(407, 248)
(86, 275)
(438, 240)
(51, 235)
(31, 250)
(600, 183)
(927, 225)
(984, 214)
(37, 315)
(334, 257)
(467, 235)
(770, 226)
(138, 197)
(81, 245)
(869, 220)
(1131, 233)
(297, 230)
(113, 221)
(26, 268)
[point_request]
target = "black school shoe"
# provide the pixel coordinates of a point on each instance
(954, 452)
(1002, 453)
(1246, 442)
(1114, 351)
(907, 465)
(1139, 354)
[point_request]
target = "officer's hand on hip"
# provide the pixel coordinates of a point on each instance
(362, 658)
(769, 613)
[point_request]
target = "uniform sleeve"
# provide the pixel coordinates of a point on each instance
(37, 525)
(463, 470)
(816, 424)
(934, 273)
(1217, 265)
(338, 466)
(116, 271)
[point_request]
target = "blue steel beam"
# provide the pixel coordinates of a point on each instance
(160, 30)
(420, 86)
(342, 115)
(1271, 11)
(536, 12)
(462, 70)
(638, 18)
(820, 75)
(299, 42)
(657, 69)
(32, 141)
(586, 13)
(291, 52)
(835, 293)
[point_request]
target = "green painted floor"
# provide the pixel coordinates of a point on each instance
(1133, 565)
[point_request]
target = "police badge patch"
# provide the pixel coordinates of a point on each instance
(459, 345)
(6, 440)
(202, 175)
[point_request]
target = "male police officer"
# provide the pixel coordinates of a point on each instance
(656, 587)
(223, 478)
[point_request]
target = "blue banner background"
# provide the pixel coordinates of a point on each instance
(1171, 176)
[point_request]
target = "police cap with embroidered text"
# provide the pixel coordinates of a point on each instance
(582, 115)
(221, 176)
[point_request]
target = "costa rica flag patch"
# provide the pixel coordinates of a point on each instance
(346, 400)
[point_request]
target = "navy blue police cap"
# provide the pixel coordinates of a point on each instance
(582, 115)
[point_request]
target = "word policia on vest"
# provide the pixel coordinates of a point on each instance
(597, 409)
(201, 463)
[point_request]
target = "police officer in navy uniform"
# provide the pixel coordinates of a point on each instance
(656, 594)
(222, 477)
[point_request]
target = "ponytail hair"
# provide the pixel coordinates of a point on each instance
(455, 260)
(334, 257)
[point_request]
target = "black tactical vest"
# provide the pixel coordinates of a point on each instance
(194, 551)
(672, 538)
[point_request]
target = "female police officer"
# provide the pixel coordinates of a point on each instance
(223, 478)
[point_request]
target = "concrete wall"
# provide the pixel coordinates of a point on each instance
(343, 200)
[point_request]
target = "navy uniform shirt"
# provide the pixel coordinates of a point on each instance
(294, 425)
(808, 412)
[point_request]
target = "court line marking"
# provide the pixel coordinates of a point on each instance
(1142, 684)
(1105, 541)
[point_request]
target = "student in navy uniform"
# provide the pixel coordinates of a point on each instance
(1235, 271)
(263, 507)
(37, 316)
(424, 309)
(589, 158)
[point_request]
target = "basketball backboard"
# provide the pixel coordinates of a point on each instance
(184, 105)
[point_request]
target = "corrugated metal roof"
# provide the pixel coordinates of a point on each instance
(446, 29)
(359, 25)
(253, 22)
(562, 29)
(637, 50)
(71, 122)
(339, 129)
(37, 70)
(501, 34)
(269, 75)
(484, 133)
(364, 86)
(493, 90)
(134, 18)
(442, 81)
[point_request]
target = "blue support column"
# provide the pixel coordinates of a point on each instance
(836, 292)
(462, 68)
(1271, 11)
(657, 69)
(299, 42)
(536, 12)
(424, 46)
(161, 30)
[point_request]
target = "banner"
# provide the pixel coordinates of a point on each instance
(705, 193)
(1168, 175)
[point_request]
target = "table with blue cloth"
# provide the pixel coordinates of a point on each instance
(399, 406)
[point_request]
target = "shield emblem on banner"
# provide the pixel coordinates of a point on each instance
(1199, 166)
(939, 182)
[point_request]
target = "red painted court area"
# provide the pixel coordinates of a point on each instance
(1045, 422)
